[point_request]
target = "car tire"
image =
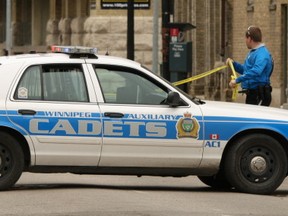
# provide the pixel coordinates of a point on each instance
(217, 181)
(11, 161)
(257, 164)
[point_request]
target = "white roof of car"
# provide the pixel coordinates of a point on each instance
(62, 57)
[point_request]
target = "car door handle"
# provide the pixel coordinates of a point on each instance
(27, 112)
(113, 114)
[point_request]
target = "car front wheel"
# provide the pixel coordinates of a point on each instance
(257, 163)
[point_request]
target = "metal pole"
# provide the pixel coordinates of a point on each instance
(155, 37)
(130, 30)
(166, 13)
(165, 39)
(8, 27)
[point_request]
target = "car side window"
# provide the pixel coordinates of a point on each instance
(58, 82)
(122, 86)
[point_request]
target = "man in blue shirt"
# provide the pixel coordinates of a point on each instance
(256, 70)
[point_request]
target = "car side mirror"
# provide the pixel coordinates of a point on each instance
(173, 99)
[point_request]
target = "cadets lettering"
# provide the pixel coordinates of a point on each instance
(94, 128)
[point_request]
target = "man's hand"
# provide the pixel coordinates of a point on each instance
(233, 83)
(228, 60)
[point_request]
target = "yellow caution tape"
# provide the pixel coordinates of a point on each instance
(199, 76)
(233, 77)
(207, 73)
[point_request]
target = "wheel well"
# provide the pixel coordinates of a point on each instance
(23, 143)
(281, 139)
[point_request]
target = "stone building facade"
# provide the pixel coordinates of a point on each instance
(219, 33)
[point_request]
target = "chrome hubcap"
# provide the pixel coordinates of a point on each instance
(258, 165)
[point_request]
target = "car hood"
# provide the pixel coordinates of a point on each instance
(238, 110)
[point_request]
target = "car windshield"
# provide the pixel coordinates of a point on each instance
(192, 98)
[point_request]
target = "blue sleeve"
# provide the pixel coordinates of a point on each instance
(239, 68)
(259, 63)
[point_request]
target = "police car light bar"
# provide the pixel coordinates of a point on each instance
(73, 50)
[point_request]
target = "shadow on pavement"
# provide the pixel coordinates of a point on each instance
(17, 187)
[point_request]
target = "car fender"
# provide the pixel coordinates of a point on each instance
(7, 125)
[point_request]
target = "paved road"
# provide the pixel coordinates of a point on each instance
(86, 195)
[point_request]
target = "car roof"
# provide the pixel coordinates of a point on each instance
(63, 57)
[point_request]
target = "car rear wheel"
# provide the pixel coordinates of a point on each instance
(257, 163)
(11, 161)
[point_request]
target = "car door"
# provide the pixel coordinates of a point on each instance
(54, 104)
(139, 129)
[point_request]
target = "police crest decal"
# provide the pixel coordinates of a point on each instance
(187, 126)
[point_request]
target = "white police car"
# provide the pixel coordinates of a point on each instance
(74, 111)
